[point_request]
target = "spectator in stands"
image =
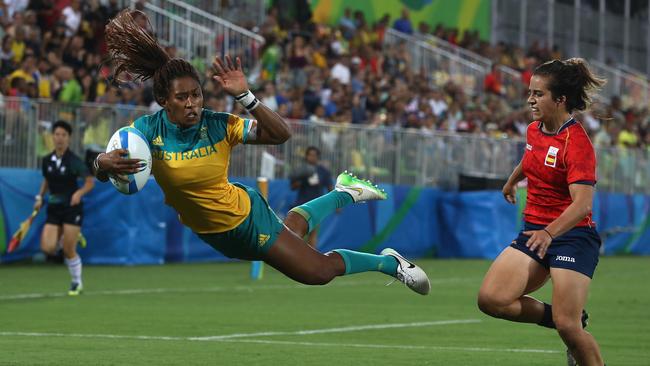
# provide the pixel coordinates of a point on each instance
(54, 40)
(15, 6)
(71, 16)
(628, 137)
(492, 83)
(311, 180)
(271, 58)
(6, 56)
(299, 56)
(341, 69)
(70, 90)
(347, 24)
(18, 45)
(26, 70)
(403, 24)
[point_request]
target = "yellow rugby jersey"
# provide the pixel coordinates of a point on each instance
(191, 166)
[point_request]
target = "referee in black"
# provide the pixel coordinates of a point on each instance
(61, 170)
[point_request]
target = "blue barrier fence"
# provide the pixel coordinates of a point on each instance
(419, 222)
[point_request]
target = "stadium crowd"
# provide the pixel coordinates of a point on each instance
(54, 50)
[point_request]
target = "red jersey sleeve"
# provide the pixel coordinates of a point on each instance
(580, 158)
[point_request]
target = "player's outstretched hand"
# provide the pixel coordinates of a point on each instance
(229, 75)
(116, 165)
(510, 193)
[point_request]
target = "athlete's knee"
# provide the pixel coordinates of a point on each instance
(48, 248)
(492, 304)
(321, 274)
(296, 223)
(69, 252)
(567, 327)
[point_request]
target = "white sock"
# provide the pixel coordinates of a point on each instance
(74, 267)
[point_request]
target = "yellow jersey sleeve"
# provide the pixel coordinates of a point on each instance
(237, 130)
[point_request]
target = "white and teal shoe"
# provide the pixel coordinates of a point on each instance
(409, 273)
(360, 190)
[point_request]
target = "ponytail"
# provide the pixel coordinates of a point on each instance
(570, 78)
(137, 52)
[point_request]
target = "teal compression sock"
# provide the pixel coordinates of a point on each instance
(317, 209)
(357, 262)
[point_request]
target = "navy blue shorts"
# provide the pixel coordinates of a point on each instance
(577, 249)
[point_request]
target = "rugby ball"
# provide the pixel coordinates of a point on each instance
(133, 140)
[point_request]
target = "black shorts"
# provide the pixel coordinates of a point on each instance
(63, 214)
(577, 249)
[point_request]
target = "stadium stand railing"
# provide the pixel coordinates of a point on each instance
(177, 21)
(191, 40)
(384, 154)
(511, 78)
(238, 12)
(438, 65)
(633, 89)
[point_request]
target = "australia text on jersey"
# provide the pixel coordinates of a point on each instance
(183, 155)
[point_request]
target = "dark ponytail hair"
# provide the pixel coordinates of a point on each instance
(135, 51)
(570, 78)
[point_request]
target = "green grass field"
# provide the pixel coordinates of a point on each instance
(213, 314)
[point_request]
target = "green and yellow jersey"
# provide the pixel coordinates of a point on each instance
(191, 166)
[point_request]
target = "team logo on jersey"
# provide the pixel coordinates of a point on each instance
(203, 133)
(157, 141)
(529, 147)
(262, 239)
(551, 156)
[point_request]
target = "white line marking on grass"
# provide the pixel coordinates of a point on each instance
(145, 291)
(393, 346)
(338, 330)
(237, 338)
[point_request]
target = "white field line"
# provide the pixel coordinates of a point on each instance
(238, 338)
(245, 335)
(393, 346)
(144, 291)
(338, 330)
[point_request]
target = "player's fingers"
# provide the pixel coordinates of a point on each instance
(528, 233)
(218, 79)
(229, 63)
(130, 161)
(238, 64)
(118, 153)
(120, 178)
(218, 66)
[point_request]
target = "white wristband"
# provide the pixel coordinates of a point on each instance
(247, 100)
(38, 197)
(96, 163)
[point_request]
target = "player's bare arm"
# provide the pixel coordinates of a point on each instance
(510, 188)
(269, 128)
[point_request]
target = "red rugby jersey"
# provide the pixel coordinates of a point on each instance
(551, 162)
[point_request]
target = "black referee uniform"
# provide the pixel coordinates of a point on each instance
(62, 175)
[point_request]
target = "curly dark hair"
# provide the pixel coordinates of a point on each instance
(134, 50)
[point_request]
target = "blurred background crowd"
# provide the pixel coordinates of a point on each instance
(54, 50)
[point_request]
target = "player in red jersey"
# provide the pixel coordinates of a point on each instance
(559, 239)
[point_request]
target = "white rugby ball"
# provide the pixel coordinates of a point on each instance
(133, 140)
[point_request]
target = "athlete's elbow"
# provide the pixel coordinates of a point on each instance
(283, 136)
